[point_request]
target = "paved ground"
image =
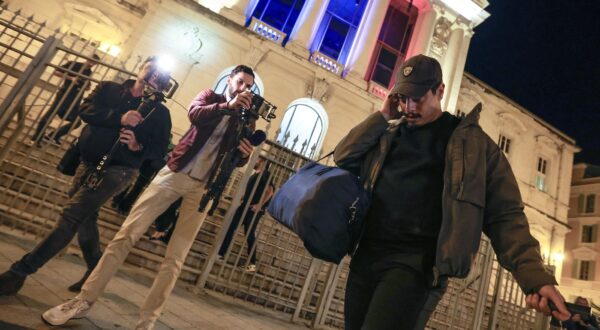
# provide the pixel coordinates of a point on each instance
(117, 308)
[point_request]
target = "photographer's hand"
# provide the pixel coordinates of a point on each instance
(245, 148)
(131, 118)
(128, 137)
(241, 100)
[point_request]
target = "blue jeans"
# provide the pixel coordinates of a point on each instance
(78, 216)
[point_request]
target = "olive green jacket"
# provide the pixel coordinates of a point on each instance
(480, 195)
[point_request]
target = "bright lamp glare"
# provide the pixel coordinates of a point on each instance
(558, 257)
(166, 63)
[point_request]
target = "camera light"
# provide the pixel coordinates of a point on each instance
(166, 63)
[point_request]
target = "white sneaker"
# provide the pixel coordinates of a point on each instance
(73, 309)
(144, 325)
(251, 268)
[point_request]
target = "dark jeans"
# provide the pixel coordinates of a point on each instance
(389, 293)
(249, 230)
(60, 132)
(78, 216)
(124, 200)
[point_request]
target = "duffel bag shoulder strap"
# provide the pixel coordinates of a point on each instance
(329, 154)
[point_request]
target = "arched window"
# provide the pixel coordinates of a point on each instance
(303, 127)
(221, 82)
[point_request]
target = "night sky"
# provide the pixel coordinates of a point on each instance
(545, 55)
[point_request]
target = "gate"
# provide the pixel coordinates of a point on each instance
(286, 277)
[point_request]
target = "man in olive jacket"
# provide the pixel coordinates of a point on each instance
(436, 184)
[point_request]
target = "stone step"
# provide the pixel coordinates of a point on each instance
(33, 192)
(109, 221)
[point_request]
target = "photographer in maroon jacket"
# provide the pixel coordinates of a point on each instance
(191, 165)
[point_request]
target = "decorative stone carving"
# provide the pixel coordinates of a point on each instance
(318, 89)
(511, 123)
(441, 35)
(139, 8)
(546, 145)
(90, 14)
(584, 253)
(256, 54)
(194, 42)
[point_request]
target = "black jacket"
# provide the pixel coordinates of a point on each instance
(102, 111)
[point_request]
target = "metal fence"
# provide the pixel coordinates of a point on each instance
(286, 277)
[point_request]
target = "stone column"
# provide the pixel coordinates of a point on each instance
(453, 82)
(451, 54)
(365, 40)
(423, 32)
(236, 12)
(303, 34)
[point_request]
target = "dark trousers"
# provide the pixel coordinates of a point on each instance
(70, 121)
(167, 220)
(78, 216)
(124, 200)
(249, 230)
(389, 293)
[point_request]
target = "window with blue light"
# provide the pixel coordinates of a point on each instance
(338, 28)
(280, 14)
(392, 43)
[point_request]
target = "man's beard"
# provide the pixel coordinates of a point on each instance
(412, 116)
(232, 92)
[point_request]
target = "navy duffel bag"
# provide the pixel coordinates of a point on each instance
(325, 206)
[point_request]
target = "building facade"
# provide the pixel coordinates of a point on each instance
(581, 273)
(327, 64)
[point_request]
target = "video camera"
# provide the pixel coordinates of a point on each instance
(160, 80)
(260, 108)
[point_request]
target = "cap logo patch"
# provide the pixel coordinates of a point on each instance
(407, 71)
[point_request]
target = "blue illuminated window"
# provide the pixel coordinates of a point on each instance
(392, 44)
(338, 28)
(280, 14)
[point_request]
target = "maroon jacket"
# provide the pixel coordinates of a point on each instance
(204, 113)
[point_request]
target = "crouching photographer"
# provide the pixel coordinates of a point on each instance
(126, 124)
(581, 316)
